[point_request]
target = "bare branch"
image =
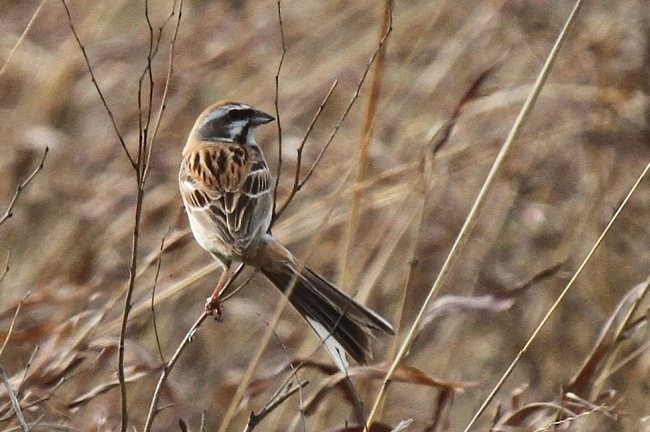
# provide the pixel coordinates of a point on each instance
(27, 366)
(236, 290)
(278, 398)
(363, 152)
(11, 326)
(14, 401)
(166, 370)
(153, 300)
(287, 382)
(105, 387)
(171, 241)
(469, 223)
(22, 36)
(296, 180)
(6, 268)
(127, 301)
(9, 212)
(378, 49)
(277, 107)
(141, 168)
(511, 136)
(170, 70)
(96, 84)
(139, 171)
(149, 69)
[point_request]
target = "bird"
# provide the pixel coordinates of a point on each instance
(227, 191)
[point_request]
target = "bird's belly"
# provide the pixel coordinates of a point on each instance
(209, 240)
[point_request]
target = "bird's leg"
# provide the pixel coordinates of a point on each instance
(213, 303)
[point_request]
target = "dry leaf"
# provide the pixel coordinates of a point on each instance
(610, 335)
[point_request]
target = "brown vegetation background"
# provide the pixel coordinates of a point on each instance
(473, 62)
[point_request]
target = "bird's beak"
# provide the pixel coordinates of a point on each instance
(260, 118)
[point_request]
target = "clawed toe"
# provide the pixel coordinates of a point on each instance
(213, 307)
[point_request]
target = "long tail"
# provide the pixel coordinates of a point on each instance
(331, 313)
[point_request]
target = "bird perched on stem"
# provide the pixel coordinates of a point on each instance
(226, 187)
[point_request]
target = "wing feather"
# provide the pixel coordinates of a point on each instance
(228, 188)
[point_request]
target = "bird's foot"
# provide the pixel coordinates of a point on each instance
(213, 307)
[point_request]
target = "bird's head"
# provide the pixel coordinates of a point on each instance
(229, 121)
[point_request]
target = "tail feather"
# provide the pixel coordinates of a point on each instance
(339, 316)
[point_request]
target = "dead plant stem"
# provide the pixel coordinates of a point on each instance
(297, 185)
(97, 88)
(472, 217)
(14, 401)
(278, 119)
(167, 368)
(9, 211)
(22, 37)
(363, 152)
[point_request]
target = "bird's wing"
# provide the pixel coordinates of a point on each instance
(228, 186)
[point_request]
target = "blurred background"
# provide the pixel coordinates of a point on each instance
(379, 223)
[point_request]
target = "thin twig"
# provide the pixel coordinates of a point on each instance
(148, 73)
(103, 388)
(470, 221)
(48, 427)
(13, 322)
(422, 185)
(153, 50)
(363, 153)
(559, 299)
(22, 37)
(530, 340)
(162, 27)
(287, 383)
(23, 185)
(238, 288)
(599, 409)
(248, 374)
(296, 180)
(422, 188)
(149, 260)
(170, 70)
(14, 401)
(164, 295)
(127, 301)
(294, 375)
(283, 394)
(305, 360)
(27, 366)
(277, 107)
(353, 99)
(45, 398)
(96, 84)
(149, 70)
(139, 165)
(5, 270)
(153, 300)
(142, 167)
(171, 242)
(618, 366)
(167, 368)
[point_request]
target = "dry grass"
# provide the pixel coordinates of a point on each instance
(430, 122)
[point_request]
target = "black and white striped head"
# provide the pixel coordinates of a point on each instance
(229, 121)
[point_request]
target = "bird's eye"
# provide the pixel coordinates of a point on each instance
(238, 114)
